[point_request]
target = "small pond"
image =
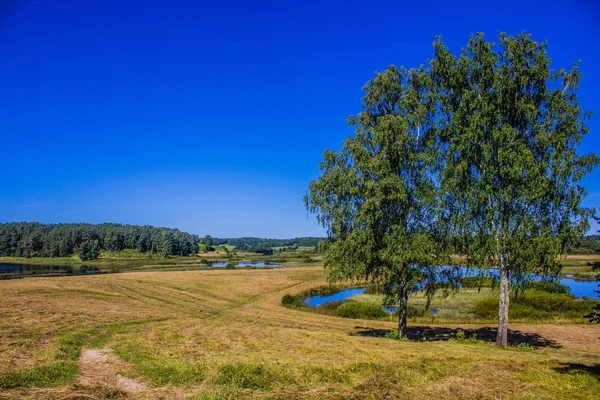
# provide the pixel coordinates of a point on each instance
(316, 301)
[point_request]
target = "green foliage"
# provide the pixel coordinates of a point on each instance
(536, 305)
(378, 197)
(291, 301)
(510, 126)
(89, 250)
(393, 334)
(590, 244)
(548, 287)
(252, 244)
(355, 309)
(28, 239)
(461, 337)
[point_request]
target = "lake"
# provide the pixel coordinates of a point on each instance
(17, 271)
(244, 264)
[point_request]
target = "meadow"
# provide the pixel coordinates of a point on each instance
(224, 334)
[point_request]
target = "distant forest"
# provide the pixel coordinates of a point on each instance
(32, 239)
(254, 244)
(589, 244)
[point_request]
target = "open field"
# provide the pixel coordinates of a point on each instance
(224, 334)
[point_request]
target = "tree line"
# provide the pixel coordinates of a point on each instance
(475, 153)
(31, 239)
(259, 245)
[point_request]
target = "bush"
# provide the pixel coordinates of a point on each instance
(412, 311)
(375, 288)
(548, 287)
(291, 301)
(355, 309)
(533, 304)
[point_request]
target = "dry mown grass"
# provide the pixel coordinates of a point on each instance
(224, 334)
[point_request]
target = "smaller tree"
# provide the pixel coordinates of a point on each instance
(89, 250)
(378, 197)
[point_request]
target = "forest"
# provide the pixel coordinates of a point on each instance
(31, 239)
(254, 244)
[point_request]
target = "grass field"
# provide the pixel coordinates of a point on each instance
(224, 335)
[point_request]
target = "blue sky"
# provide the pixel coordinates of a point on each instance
(212, 117)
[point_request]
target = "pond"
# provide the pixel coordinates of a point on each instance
(8, 271)
(316, 301)
(244, 264)
(577, 288)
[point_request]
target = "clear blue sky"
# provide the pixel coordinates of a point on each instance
(212, 117)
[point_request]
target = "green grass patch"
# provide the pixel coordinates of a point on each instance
(355, 309)
(44, 375)
(313, 375)
(158, 370)
(250, 376)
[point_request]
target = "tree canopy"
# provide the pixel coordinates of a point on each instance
(480, 148)
(378, 197)
(511, 127)
(30, 239)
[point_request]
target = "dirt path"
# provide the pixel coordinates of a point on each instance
(97, 374)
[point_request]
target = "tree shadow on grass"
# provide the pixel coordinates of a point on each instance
(567, 368)
(440, 334)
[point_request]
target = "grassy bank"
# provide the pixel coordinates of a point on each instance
(467, 305)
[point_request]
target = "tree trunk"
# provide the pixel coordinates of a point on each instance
(402, 307)
(502, 337)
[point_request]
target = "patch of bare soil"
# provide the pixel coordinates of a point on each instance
(96, 372)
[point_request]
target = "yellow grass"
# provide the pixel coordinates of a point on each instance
(224, 334)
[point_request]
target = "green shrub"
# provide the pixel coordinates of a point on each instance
(461, 337)
(548, 287)
(291, 301)
(412, 311)
(375, 288)
(355, 309)
(393, 334)
(536, 305)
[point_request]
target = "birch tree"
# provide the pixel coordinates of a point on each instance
(512, 127)
(378, 196)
